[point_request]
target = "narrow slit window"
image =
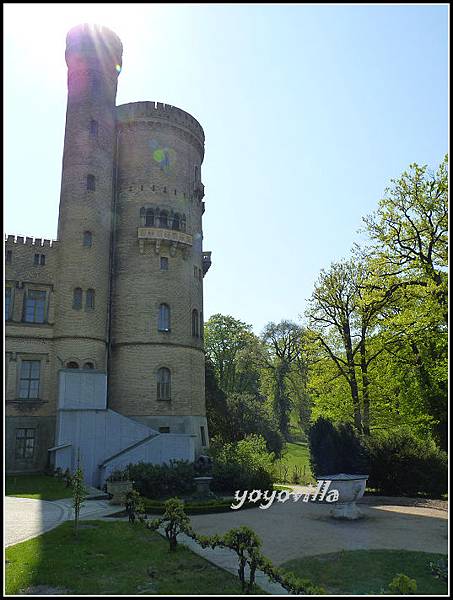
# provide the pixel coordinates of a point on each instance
(164, 317)
(89, 300)
(77, 299)
(195, 331)
(91, 183)
(94, 128)
(163, 384)
(87, 239)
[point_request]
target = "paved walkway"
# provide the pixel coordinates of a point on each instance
(288, 530)
(26, 518)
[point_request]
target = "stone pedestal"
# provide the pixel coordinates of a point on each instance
(203, 484)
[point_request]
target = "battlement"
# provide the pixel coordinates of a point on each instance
(29, 241)
(137, 111)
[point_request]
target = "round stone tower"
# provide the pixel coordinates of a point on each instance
(93, 56)
(156, 371)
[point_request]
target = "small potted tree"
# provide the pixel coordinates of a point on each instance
(338, 455)
(118, 486)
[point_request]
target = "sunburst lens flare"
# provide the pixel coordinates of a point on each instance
(118, 68)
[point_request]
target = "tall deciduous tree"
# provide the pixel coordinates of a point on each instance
(284, 341)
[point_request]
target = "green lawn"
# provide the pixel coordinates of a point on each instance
(112, 558)
(367, 571)
(40, 487)
(296, 455)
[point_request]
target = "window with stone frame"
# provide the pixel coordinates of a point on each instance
(8, 302)
(163, 384)
(164, 263)
(149, 217)
(164, 318)
(163, 219)
(25, 443)
(29, 379)
(35, 306)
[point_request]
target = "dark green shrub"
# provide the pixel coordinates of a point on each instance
(336, 449)
(160, 481)
(243, 465)
(401, 464)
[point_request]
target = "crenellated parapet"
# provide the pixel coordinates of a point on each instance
(20, 240)
(151, 112)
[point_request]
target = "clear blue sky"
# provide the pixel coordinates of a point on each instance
(308, 112)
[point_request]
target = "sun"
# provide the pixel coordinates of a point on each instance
(39, 30)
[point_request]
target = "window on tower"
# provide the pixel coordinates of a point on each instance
(94, 128)
(163, 384)
(89, 300)
(164, 318)
(164, 263)
(163, 219)
(77, 298)
(176, 221)
(91, 183)
(195, 329)
(149, 217)
(87, 239)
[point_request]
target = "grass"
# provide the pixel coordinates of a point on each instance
(296, 455)
(39, 487)
(368, 571)
(112, 558)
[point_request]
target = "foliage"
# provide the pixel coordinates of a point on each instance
(336, 449)
(174, 521)
(402, 584)
(112, 558)
(248, 415)
(134, 505)
(247, 545)
(242, 465)
(365, 572)
(439, 569)
(157, 481)
(118, 475)
(79, 494)
(401, 464)
(229, 346)
(195, 507)
(284, 342)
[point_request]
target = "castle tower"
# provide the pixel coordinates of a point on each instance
(156, 374)
(93, 56)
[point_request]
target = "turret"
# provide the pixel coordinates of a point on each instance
(93, 56)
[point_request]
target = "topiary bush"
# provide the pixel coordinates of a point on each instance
(160, 481)
(401, 464)
(243, 465)
(336, 449)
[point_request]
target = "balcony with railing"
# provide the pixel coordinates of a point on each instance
(161, 235)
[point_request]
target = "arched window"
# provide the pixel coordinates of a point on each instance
(91, 183)
(87, 239)
(149, 217)
(72, 365)
(195, 322)
(89, 301)
(164, 318)
(163, 383)
(176, 221)
(201, 325)
(88, 365)
(77, 299)
(163, 219)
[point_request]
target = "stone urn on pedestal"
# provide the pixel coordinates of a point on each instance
(351, 488)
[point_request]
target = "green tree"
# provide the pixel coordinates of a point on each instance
(284, 342)
(79, 494)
